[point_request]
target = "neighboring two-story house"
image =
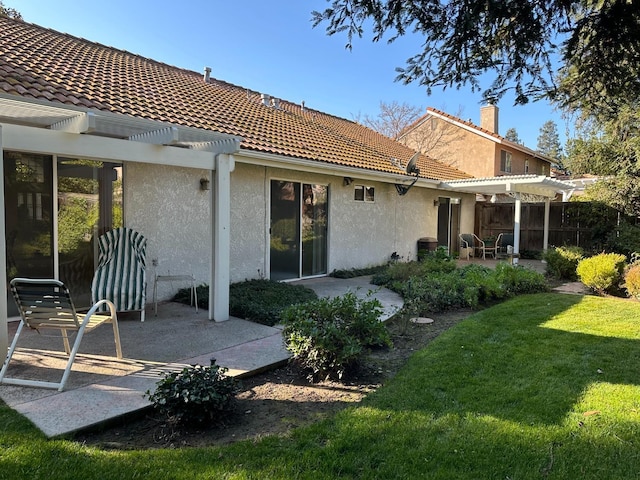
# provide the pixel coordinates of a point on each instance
(477, 150)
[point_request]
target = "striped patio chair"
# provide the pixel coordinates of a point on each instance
(121, 273)
(46, 305)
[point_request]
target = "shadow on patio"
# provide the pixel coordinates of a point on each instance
(101, 386)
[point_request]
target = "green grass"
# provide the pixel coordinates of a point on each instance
(542, 386)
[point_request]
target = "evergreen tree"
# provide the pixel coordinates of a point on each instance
(520, 42)
(9, 12)
(512, 136)
(549, 143)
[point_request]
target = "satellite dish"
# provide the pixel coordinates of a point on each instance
(411, 169)
(411, 166)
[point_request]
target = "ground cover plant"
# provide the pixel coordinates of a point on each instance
(540, 386)
(258, 300)
(436, 284)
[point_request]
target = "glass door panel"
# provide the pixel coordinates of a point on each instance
(28, 209)
(314, 229)
(89, 204)
(285, 230)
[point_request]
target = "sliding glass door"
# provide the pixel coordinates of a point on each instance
(298, 235)
(55, 208)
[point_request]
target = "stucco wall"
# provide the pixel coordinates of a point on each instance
(360, 233)
(166, 205)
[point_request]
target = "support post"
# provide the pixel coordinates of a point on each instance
(545, 237)
(221, 238)
(4, 329)
(516, 228)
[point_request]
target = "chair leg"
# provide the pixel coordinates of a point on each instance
(65, 340)
(116, 335)
(12, 349)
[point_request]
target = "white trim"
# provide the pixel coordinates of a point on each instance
(39, 140)
(4, 331)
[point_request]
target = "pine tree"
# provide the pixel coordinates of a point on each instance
(549, 143)
(512, 136)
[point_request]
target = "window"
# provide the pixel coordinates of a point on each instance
(505, 161)
(526, 166)
(363, 193)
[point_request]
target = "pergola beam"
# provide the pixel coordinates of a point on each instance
(82, 123)
(162, 136)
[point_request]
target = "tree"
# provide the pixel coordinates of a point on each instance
(515, 40)
(512, 136)
(549, 143)
(9, 12)
(611, 150)
(393, 118)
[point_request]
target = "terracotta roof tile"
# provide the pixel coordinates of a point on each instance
(44, 64)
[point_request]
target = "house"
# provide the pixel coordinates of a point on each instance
(478, 150)
(225, 183)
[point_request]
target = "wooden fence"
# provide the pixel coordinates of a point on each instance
(583, 224)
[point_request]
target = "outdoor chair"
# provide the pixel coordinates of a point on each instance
(46, 304)
(471, 245)
(502, 242)
(121, 273)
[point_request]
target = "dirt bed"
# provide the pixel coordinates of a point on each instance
(274, 402)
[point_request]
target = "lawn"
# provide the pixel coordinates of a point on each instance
(541, 386)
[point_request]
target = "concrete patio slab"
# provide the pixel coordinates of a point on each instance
(102, 387)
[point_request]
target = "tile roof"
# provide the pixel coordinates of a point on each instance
(43, 64)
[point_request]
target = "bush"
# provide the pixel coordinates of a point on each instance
(328, 336)
(562, 262)
(516, 280)
(262, 301)
(195, 395)
(624, 239)
(470, 286)
(602, 272)
(632, 280)
(403, 271)
(357, 272)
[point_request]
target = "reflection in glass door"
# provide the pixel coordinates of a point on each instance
(89, 204)
(89, 201)
(298, 236)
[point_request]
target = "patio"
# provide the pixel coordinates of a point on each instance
(101, 387)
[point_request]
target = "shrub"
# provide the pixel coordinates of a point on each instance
(470, 286)
(632, 280)
(625, 239)
(562, 262)
(402, 271)
(601, 272)
(262, 301)
(195, 395)
(358, 272)
(515, 280)
(328, 336)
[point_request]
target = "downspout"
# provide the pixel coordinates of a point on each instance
(4, 329)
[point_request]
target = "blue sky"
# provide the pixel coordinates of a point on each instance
(270, 46)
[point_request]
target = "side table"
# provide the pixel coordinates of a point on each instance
(193, 298)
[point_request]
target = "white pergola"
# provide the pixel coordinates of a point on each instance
(41, 127)
(519, 187)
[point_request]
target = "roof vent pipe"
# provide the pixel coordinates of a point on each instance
(302, 105)
(266, 99)
(207, 74)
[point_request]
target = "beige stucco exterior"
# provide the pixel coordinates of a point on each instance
(470, 149)
(167, 205)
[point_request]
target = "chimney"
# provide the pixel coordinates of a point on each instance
(207, 74)
(489, 118)
(266, 99)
